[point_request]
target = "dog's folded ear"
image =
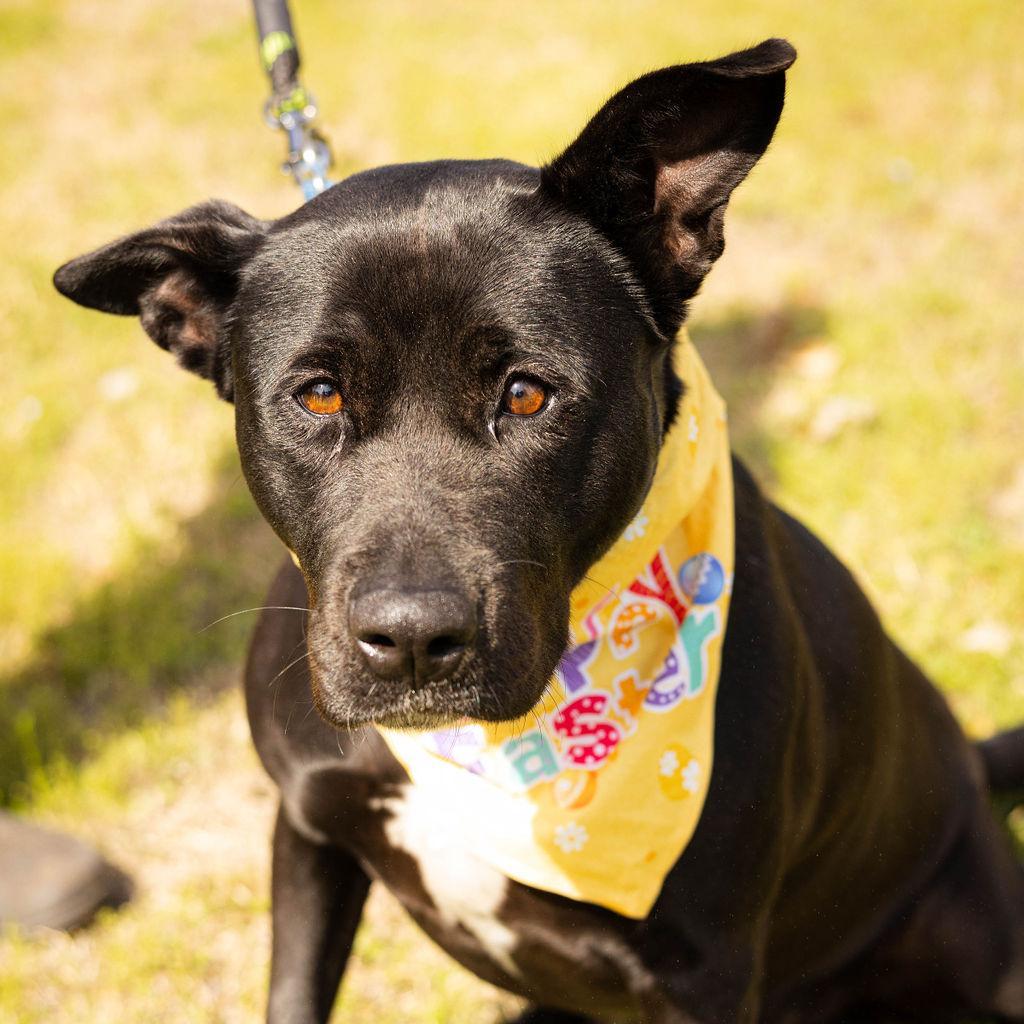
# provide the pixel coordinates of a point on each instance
(656, 165)
(179, 277)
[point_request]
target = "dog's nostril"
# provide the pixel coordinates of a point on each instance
(377, 640)
(442, 646)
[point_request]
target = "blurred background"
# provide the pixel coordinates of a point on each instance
(865, 324)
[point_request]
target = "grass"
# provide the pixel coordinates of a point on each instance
(864, 324)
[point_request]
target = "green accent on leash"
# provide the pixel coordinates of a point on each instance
(290, 107)
(273, 45)
(296, 100)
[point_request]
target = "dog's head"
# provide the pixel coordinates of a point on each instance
(451, 380)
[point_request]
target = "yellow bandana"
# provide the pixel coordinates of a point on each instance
(596, 792)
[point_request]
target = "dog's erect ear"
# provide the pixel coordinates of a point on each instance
(656, 165)
(179, 277)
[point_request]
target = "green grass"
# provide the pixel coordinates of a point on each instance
(864, 324)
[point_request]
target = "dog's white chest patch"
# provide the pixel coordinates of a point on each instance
(464, 890)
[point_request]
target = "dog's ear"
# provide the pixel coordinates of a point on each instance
(656, 165)
(179, 277)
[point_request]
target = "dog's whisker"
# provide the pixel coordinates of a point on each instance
(291, 664)
(494, 695)
(541, 719)
(258, 608)
(536, 718)
(612, 591)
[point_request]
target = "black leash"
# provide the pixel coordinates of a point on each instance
(290, 107)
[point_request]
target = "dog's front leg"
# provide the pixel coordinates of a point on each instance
(317, 898)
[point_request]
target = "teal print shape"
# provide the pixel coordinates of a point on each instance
(695, 633)
(532, 757)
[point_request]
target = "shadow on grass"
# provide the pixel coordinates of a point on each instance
(743, 350)
(138, 639)
(141, 637)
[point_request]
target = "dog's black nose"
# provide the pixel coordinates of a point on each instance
(421, 634)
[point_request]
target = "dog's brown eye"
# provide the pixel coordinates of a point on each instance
(321, 398)
(524, 397)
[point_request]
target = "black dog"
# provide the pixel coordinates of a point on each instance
(451, 382)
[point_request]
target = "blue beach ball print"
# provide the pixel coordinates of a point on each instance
(702, 578)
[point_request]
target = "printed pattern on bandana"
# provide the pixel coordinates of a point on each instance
(596, 792)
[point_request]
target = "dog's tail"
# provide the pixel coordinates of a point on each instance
(1003, 757)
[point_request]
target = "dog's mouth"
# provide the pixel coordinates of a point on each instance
(418, 650)
(354, 698)
(434, 705)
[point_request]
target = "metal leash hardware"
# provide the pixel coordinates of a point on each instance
(290, 107)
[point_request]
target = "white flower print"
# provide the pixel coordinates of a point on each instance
(691, 776)
(571, 837)
(638, 527)
(669, 763)
(694, 429)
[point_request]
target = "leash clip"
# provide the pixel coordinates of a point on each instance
(309, 157)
